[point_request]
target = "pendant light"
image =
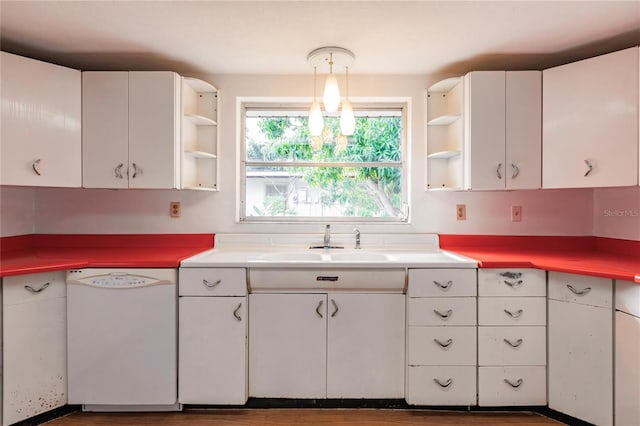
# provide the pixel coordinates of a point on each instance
(347, 119)
(316, 121)
(331, 96)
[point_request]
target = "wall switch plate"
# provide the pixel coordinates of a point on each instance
(174, 209)
(516, 213)
(461, 212)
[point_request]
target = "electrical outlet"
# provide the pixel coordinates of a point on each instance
(174, 209)
(516, 213)
(461, 211)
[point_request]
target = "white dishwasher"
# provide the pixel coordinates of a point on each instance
(122, 350)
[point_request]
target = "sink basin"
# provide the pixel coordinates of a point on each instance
(292, 257)
(359, 257)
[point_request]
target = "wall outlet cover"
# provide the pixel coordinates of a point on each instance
(461, 212)
(516, 213)
(174, 209)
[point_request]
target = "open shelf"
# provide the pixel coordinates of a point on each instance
(444, 154)
(200, 120)
(444, 120)
(200, 154)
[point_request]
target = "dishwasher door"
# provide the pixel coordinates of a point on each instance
(122, 343)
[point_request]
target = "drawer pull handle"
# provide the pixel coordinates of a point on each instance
(512, 344)
(515, 385)
(211, 284)
(335, 307)
(444, 286)
(318, 309)
(35, 165)
(513, 284)
(444, 344)
(445, 316)
(579, 292)
(235, 312)
(36, 290)
(516, 314)
(445, 384)
(511, 275)
(589, 167)
(323, 278)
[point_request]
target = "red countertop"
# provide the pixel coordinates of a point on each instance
(27, 254)
(595, 256)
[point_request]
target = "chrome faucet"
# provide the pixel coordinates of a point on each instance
(357, 231)
(327, 236)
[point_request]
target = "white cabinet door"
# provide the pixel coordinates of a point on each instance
(590, 115)
(580, 361)
(212, 349)
(154, 129)
(41, 123)
(523, 128)
(34, 345)
(287, 345)
(105, 129)
(627, 375)
(365, 346)
(485, 130)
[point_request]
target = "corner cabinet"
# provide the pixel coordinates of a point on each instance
(590, 122)
(199, 135)
(41, 123)
(627, 353)
(131, 129)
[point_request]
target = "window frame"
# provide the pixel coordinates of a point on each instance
(295, 105)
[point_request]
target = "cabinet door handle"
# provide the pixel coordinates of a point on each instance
(511, 275)
(515, 385)
(513, 284)
(444, 286)
(513, 344)
(446, 315)
(589, 167)
(498, 170)
(235, 312)
(211, 284)
(36, 290)
(137, 170)
(445, 384)
(335, 307)
(515, 171)
(35, 165)
(118, 171)
(582, 292)
(318, 309)
(516, 314)
(444, 344)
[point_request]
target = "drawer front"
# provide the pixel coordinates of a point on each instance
(441, 385)
(512, 311)
(592, 291)
(312, 280)
(511, 282)
(628, 297)
(509, 386)
(212, 282)
(442, 282)
(33, 287)
(442, 345)
(512, 346)
(442, 311)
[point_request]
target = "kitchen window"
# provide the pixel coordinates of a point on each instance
(287, 175)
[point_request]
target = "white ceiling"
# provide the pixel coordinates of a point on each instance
(274, 37)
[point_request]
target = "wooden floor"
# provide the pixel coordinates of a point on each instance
(306, 417)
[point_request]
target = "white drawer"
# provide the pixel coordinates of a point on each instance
(512, 346)
(441, 385)
(312, 280)
(442, 311)
(511, 282)
(212, 282)
(510, 386)
(628, 297)
(442, 345)
(442, 282)
(512, 311)
(33, 287)
(593, 291)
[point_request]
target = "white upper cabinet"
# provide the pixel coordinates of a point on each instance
(590, 122)
(41, 123)
(131, 132)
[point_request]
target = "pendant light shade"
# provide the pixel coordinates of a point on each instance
(331, 96)
(347, 119)
(316, 121)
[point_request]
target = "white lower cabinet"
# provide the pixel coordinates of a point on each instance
(580, 347)
(335, 345)
(441, 337)
(34, 345)
(627, 354)
(212, 348)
